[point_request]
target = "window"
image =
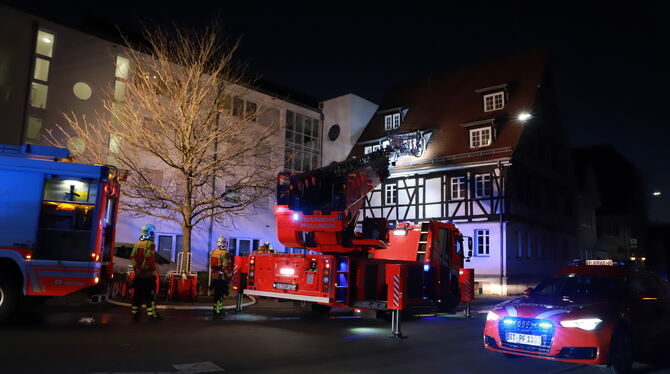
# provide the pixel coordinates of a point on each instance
(480, 137)
(242, 246)
(45, 43)
(251, 110)
(238, 107)
(482, 242)
(483, 185)
(390, 194)
(38, 95)
(519, 244)
(82, 91)
(391, 121)
(457, 188)
(122, 67)
(34, 128)
(41, 69)
(303, 142)
(121, 75)
(115, 143)
(494, 101)
(168, 245)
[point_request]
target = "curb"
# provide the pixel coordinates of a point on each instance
(184, 307)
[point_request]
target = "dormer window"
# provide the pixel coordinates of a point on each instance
(391, 121)
(480, 137)
(494, 101)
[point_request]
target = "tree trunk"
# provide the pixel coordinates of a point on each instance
(186, 247)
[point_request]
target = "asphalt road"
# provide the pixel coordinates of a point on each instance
(265, 338)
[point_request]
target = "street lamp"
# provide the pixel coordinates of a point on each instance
(524, 116)
(656, 193)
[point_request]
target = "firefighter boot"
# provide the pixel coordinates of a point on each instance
(135, 312)
(218, 308)
(152, 312)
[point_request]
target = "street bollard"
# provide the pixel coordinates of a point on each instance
(467, 310)
(396, 333)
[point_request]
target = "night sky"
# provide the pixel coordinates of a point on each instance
(609, 61)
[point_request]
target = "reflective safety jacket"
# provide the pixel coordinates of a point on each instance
(143, 258)
(221, 260)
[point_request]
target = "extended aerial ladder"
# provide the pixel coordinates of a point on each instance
(384, 266)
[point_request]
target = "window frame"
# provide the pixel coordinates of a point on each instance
(460, 190)
(486, 183)
(494, 104)
(485, 240)
(393, 189)
(391, 121)
(478, 133)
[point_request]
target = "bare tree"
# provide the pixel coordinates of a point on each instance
(193, 152)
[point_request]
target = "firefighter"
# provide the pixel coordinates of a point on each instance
(220, 266)
(143, 259)
(265, 248)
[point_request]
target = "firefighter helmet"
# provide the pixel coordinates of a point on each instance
(222, 242)
(148, 232)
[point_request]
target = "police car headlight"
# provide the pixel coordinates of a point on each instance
(492, 316)
(584, 324)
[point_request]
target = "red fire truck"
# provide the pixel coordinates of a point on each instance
(384, 267)
(57, 222)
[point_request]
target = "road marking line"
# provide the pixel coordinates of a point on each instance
(198, 367)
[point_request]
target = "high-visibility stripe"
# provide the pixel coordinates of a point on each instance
(396, 290)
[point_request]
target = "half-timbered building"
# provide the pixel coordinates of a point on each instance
(496, 163)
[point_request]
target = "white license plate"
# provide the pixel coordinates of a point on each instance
(524, 339)
(286, 286)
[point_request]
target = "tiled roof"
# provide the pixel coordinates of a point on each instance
(452, 103)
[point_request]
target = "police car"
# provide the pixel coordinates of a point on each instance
(595, 312)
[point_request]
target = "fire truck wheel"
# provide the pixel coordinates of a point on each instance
(8, 297)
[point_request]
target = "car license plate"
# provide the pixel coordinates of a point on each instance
(524, 339)
(286, 286)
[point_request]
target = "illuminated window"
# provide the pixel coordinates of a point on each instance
(34, 130)
(480, 137)
(114, 143)
(76, 145)
(41, 69)
(45, 43)
(122, 67)
(391, 121)
(482, 242)
(457, 188)
(483, 185)
(38, 95)
(494, 101)
(391, 194)
(121, 74)
(82, 91)
(303, 142)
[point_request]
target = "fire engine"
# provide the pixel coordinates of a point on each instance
(387, 266)
(57, 224)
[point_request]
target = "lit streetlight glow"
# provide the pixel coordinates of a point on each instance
(524, 116)
(657, 193)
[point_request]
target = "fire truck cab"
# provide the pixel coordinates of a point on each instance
(57, 224)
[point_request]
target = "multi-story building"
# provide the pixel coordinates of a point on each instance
(620, 214)
(496, 164)
(47, 69)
